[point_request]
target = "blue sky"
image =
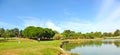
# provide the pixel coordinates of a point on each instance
(76, 15)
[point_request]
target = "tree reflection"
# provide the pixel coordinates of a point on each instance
(72, 45)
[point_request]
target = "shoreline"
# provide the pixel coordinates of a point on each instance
(70, 40)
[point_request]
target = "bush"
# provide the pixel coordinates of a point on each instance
(57, 37)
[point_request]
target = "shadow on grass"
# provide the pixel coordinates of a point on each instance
(12, 39)
(3, 40)
(42, 39)
(46, 40)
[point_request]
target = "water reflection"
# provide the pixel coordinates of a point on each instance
(90, 47)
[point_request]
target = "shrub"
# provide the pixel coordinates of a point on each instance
(57, 37)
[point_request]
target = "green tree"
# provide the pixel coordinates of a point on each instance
(9, 34)
(67, 33)
(48, 33)
(88, 36)
(2, 31)
(117, 33)
(38, 32)
(29, 32)
(107, 34)
(16, 32)
(98, 34)
(77, 35)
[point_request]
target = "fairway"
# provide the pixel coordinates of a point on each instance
(30, 47)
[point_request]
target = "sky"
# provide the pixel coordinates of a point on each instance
(60, 15)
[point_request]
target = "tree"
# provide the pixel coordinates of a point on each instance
(67, 33)
(117, 33)
(107, 34)
(38, 32)
(30, 32)
(48, 33)
(16, 32)
(98, 34)
(9, 33)
(2, 31)
(76, 35)
(21, 35)
(89, 36)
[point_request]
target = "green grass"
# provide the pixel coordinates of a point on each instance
(30, 48)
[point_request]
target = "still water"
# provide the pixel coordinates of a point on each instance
(101, 47)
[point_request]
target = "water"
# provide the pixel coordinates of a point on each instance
(102, 47)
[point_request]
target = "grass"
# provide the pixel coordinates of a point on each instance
(30, 47)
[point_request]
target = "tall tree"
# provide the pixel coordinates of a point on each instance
(117, 33)
(16, 31)
(21, 35)
(2, 31)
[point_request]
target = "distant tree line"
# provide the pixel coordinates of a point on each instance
(68, 34)
(29, 32)
(47, 33)
(9, 33)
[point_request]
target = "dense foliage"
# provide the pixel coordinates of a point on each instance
(28, 32)
(9, 32)
(38, 32)
(47, 33)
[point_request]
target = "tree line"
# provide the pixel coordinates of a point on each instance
(9, 33)
(47, 33)
(68, 34)
(29, 32)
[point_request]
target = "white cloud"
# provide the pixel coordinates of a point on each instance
(33, 21)
(53, 26)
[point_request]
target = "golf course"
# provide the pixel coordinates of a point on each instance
(30, 47)
(59, 27)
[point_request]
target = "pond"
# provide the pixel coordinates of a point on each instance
(92, 47)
